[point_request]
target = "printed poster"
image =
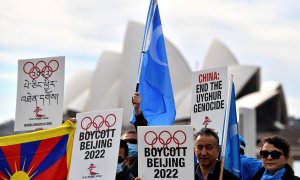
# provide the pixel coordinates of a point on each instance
(96, 145)
(209, 97)
(40, 93)
(165, 152)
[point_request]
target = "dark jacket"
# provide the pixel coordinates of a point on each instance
(226, 174)
(125, 175)
(288, 175)
(140, 120)
(134, 166)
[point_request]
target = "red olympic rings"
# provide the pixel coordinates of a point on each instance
(94, 124)
(164, 138)
(41, 68)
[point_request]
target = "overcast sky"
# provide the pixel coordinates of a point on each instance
(263, 33)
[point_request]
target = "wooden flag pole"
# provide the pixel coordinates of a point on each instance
(225, 130)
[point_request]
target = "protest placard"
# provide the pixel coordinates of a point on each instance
(165, 152)
(40, 93)
(96, 145)
(209, 96)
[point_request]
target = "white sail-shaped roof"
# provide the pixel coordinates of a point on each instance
(114, 80)
(218, 55)
(179, 70)
(105, 86)
(78, 83)
(253, 100)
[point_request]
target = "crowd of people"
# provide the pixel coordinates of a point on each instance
(272, 165)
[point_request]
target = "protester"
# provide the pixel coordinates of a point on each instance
(207, 150)
(274, 154)
(249, 166)
(131, 138)
(140, 119)
(122, 168)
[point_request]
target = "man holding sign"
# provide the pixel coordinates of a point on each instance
(207, 150)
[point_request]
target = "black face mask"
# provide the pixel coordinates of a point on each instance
(120, 159)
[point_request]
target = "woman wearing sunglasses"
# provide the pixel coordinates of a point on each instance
(275, 154)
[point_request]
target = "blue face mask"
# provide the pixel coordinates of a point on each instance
(132, 150)
(120, 167)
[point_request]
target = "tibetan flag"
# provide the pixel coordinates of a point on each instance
(155, 85)
(232, 153)
(41, 154)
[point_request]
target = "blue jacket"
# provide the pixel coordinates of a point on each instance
(249, 167)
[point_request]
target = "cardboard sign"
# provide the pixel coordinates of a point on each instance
(96, 145)
(209, 96)
(165, 152)
(40, 93)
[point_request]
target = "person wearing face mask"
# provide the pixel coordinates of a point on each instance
(274, 154)
(122, 168)
(131, 136)
(132, 161)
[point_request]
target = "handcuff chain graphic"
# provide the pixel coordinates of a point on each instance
(98, 122)
(152, 138)
(40, 68)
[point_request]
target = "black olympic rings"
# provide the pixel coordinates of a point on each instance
(164, 138)
(40, 68)
(98, 122)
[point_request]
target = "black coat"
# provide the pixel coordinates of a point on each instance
(226, 174)
(288, 175)
(140, 120)
(125, 175)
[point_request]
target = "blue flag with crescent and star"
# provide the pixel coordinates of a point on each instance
(232, 153)
(155, 85)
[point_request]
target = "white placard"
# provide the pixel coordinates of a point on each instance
(40, 93)
(209, 96)
(96, 145)
(165, 152)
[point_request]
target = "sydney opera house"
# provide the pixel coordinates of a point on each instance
(261, 105)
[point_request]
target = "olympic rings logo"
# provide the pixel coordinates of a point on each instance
(40, 68)
(88, 123)
(165, 138)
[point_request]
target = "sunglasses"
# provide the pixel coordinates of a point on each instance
(274, 154)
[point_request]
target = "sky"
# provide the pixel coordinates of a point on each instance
(262, 33)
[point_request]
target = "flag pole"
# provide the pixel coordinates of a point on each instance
(225, 129)
(145, 38)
